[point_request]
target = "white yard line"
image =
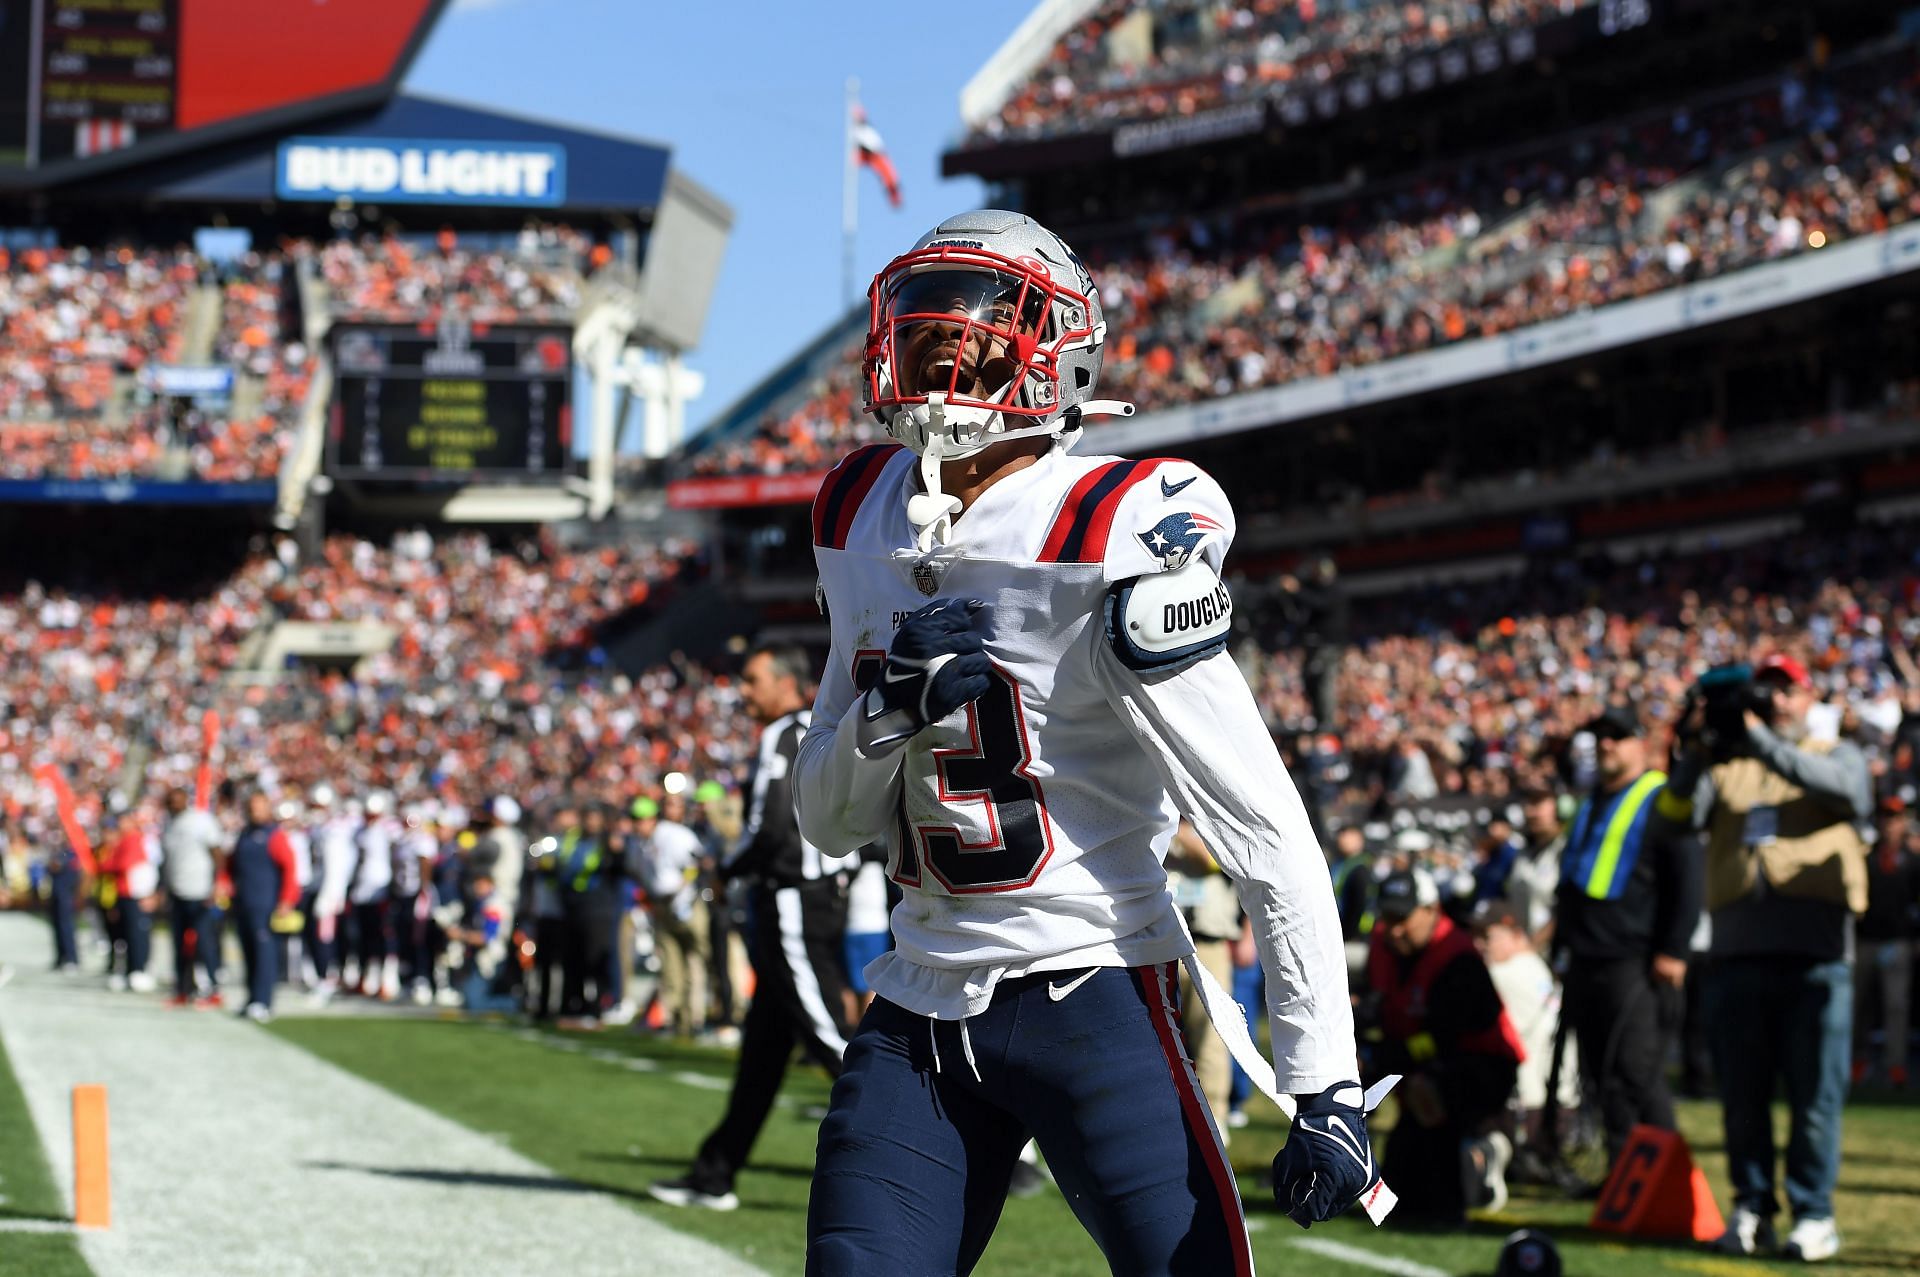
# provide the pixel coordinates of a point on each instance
(235, 1152)
(703, 1081)
(1366, 1259)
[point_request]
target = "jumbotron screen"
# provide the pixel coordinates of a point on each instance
(85, 79)
(451, 401)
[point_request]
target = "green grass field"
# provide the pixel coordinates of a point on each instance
(28, 1195)
(614, 1111)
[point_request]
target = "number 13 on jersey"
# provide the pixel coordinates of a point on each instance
(989, 775)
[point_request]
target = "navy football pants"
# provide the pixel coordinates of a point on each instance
(918, 1146)
(250, 922)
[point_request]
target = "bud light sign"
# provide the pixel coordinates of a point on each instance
(394, 171)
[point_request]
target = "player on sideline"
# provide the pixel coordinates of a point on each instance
(1023, 743)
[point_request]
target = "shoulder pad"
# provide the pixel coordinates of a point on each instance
(1168, 620)
(1178, 515)
(842, 491)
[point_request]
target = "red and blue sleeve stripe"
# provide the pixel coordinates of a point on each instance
(842, 491)
(1079, 533)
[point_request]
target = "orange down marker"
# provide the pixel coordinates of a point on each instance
(1655, 1190)
(91, 1194)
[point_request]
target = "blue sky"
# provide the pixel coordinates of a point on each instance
(750, 98)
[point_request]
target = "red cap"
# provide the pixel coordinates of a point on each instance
(1784, 665)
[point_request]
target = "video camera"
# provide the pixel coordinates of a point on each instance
(1729, 692)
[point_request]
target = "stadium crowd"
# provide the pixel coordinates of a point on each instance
(74, 317)
(1757, 177)
(409, 278)
(87, 672)
(1213, 305)
(1478, 690)
(1469, 690)
(1127, 61)
(86, 331)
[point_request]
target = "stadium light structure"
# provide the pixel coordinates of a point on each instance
(634, 334)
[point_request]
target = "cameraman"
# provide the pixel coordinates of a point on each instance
(1786, 872)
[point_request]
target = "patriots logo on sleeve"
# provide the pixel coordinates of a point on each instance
(1175, 538)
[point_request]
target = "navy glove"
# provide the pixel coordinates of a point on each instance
(1327, 1163)
(937, 663)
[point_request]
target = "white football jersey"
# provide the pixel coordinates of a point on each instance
(374, 874)
(1027, 829)
(335, 856)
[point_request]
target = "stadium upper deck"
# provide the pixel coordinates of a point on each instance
(1227, 319)
(1124, 62)
(1394, 106)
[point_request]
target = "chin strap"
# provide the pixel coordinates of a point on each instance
(931, 511)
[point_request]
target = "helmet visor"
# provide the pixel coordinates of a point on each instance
(965, 333)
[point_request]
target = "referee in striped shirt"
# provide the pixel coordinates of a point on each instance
(796, 912)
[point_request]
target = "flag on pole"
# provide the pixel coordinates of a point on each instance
(872, 153)
(97, 137)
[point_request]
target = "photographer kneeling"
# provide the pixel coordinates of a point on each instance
(1785, 873)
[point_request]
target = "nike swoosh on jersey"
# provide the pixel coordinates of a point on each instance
(1058, 992)
(1171, 490)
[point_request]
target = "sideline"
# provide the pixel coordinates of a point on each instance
(235, 1151)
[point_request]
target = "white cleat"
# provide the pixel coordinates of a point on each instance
(684, 1192)
(141, 982)
(1812, 1240)
(1748, 1233)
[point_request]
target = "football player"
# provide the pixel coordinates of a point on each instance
(1028, 681)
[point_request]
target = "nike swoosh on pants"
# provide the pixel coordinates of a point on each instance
(1058, 991)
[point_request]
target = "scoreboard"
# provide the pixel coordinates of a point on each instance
(451, 401)
(81, 80)
(105, 74)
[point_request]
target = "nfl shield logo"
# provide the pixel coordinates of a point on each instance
(924, 579)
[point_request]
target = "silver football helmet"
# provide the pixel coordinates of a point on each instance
(988, 329)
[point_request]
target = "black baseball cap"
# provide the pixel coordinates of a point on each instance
(1616, 722)
(1404, 891)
